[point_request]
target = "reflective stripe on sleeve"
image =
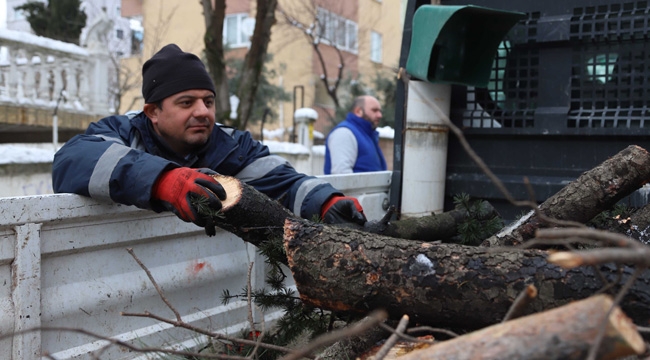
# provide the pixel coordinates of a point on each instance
(304, 189)
(109, 138)
(260, 167)
(98, 186)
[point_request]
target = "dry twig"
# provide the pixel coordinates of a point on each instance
(155, 284)
(123, 344)
(572, 259)
(433, 330)
(374, 318)
(180, 323)
(617, 300)
(521, 303)
(588, 234)
(390, 342)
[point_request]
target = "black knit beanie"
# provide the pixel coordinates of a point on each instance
(171, 71)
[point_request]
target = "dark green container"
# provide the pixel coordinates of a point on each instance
(457, 44)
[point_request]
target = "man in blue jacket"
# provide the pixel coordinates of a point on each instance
(353, 145)
(160, 158)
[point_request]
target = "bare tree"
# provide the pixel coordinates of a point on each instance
(253, 62)
(214, 51)
(313, 30)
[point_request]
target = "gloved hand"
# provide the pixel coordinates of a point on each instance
(342, 209)
(176, 188)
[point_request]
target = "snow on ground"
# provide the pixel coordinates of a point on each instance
(285, 147)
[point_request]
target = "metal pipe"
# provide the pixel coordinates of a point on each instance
(425, 149)
(302, 104)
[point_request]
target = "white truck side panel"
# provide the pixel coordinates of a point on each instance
(64, 264)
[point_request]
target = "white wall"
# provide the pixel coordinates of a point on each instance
(26, 169)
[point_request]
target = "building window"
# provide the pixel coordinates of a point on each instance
(234, 32)
(119, 34)
(137, 36)
(336, 30)
(376, 46)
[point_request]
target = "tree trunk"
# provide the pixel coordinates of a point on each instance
(567, 332)
(214, 52)
(437, 284)
(251, 215)
(254, 61)
(344, 269)
(593, 192)
(257, 219)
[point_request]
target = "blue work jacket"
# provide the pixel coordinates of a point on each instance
(120, 157)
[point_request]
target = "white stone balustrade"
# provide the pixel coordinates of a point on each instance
(34, 70)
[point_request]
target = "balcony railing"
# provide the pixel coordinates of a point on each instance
(44, 73)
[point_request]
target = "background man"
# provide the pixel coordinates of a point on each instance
(160, 158)
(353, 145)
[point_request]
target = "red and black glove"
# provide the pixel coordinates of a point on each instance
(342, 209)
(176, 188)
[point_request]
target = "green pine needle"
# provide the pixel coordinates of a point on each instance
(476, 228)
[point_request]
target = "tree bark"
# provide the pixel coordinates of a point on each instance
(443, 226)
(214, 52)
(638, 225)
(567, 332)
(457, 286)
(593, 192)
(344, 269)
(256, 218)
(254, 60)
(251, 215)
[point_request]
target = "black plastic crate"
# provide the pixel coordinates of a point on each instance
(569, 87)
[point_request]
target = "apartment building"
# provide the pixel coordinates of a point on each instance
(368, 34)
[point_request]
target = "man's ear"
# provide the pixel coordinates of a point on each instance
(151, 110)
(357, 111)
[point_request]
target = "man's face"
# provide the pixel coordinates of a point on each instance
(371, 111)
(185, 120)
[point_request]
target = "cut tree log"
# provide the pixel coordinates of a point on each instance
(249, 214)
(256, 218)
(443, 226)
(433, 227)
(566, 332)
(461, 287)
(350, 270)
(593, 192)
